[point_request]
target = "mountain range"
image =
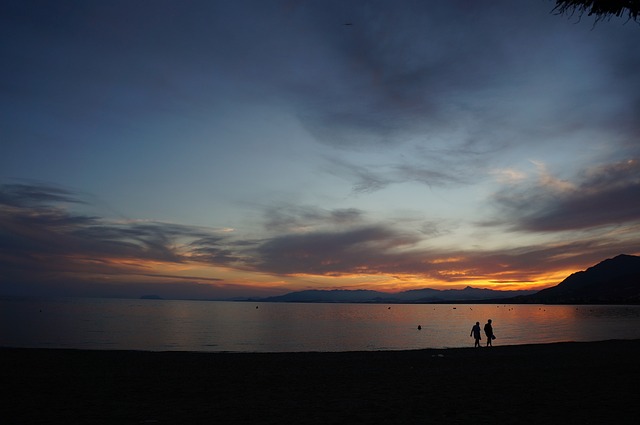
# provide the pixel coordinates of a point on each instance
(612, 281)
(426, 295)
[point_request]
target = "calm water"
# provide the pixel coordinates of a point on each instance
(275, 327)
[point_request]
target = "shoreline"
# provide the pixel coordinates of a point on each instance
(295, 353)
(579, 382)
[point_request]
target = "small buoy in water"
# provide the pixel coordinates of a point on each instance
(419, 327)
(256, 306)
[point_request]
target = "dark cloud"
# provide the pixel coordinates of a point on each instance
(39, 236)
(18, 195)
(603, 196)
(285, 218)
(397, 72)
(356, 250)
(429, 177)
(431, 172)
(214, 250)
(365, 178)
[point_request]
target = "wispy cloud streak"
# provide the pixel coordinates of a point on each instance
(38, 232)
(606, 195)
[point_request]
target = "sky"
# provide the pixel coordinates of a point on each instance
(219, 149)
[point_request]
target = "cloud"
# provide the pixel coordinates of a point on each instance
(508, 175)
(18, 195)
(605, 195)
(39, 235)
(397, 72)
(549, 182)
(286, 218)
(433, 169)
(356, 250)
(212, 250)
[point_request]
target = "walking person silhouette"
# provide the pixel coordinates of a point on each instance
(475, 332)
(488, 331)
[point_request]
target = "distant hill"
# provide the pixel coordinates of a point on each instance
(426, 295)
(613, 281)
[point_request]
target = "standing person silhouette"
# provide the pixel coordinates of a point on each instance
(488, 331)
(475, 331)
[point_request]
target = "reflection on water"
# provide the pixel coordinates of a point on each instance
(275, 327)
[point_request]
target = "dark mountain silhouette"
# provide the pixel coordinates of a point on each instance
(454, 295)
(613, 281)
(426, 295)
(333, 296)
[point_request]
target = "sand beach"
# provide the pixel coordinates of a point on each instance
(596, 382)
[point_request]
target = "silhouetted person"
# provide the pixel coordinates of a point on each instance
(488, 331)
(475, 331)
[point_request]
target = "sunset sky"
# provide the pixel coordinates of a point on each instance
(214, 149)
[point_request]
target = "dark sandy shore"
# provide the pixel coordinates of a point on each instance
(575, 383)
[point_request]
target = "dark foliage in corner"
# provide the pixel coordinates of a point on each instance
(601, 9)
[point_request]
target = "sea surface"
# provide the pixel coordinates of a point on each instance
(163, 325)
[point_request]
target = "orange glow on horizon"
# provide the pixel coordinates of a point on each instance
(398, 283)
(136, 270)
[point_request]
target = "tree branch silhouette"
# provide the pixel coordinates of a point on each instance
(601, 9)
